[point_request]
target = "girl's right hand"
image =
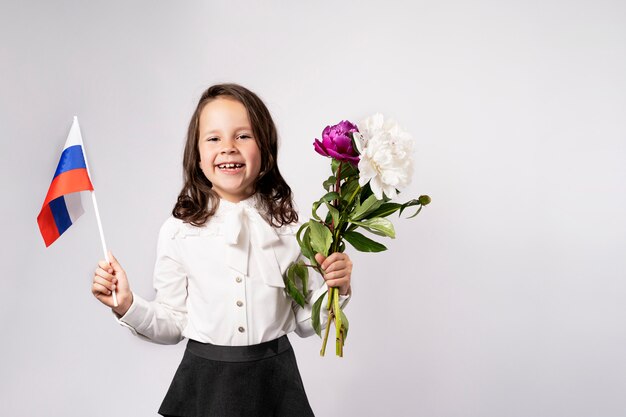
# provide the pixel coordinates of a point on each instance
(109, 277)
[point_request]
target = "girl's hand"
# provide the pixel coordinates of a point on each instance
(108, 278)
(337, 270)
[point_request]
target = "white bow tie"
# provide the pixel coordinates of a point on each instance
(244, 227)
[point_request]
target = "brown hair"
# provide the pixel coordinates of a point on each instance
(275, 195)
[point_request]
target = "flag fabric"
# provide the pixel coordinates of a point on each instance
(62, 205)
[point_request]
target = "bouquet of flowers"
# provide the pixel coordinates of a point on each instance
(370, 163)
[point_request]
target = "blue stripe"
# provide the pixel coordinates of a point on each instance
(71, 158)
(60, 214)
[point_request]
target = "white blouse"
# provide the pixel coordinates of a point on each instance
(222, 283)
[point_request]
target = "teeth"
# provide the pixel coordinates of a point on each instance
(229, 166)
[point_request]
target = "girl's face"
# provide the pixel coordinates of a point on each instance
(229, 155)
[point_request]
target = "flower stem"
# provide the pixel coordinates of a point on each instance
(316, 267)
(329, 300)
(338, 323)
(338, 185)
(330, 318)
(356, 190)
(332, 305)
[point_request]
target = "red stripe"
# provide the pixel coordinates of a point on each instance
(47, 226)
(68, 182)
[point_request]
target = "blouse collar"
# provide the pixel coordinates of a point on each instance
(253, 202)
(244, 227)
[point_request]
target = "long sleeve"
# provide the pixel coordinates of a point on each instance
(162, 320)
(221, 282)
(304, 325)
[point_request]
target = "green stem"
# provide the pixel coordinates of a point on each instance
(323, 351)
(316, 267)
(329, 300)
(338, 185)
(336, 228)
(356, 190)
(338, 324)
(332, 305)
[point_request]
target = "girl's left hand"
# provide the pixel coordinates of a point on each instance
(337, 270)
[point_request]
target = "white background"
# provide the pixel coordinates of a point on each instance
(505, 297)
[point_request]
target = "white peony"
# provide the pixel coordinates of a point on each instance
(386, 155)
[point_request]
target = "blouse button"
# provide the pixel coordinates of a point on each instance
(238, 279)
(241, 329)
(239, 303)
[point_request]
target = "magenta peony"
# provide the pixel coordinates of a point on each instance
(337, 142)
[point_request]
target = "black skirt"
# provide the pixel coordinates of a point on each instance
(237, 381)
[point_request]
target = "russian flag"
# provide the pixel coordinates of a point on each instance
(62, 205)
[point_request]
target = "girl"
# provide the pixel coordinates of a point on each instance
(218, 273)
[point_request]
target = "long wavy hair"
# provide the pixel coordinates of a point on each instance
(197, 200)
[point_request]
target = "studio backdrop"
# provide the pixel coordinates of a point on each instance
(503, 297)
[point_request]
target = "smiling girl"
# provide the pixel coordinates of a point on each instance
(218, 272)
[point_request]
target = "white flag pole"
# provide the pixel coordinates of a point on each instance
(95, 206)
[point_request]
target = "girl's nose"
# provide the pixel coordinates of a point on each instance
(229, 147)
(229, 150)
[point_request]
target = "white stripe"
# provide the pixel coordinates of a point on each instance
(74, 137)
(74, 206)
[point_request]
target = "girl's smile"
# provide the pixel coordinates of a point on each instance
(229, 154)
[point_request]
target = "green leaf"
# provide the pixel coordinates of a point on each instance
(344, 325)
(385, 210)
(412, 203)
(366, 192)
(362, 243)
(348, 170)
(321, 238)
(329, 183)
(416, 213)
(297, 296)
(315, 315)
(299, 233)
(327, 198)
(422, 201)
(379, 226)
(305, 241)
(348, 188)
(290, 286)
(302, 272)
(369, 205)
(334, 213)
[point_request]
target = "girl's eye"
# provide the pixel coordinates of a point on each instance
(244, 137)
(212, 139)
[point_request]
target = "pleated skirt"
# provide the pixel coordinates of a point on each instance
(237, 381)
